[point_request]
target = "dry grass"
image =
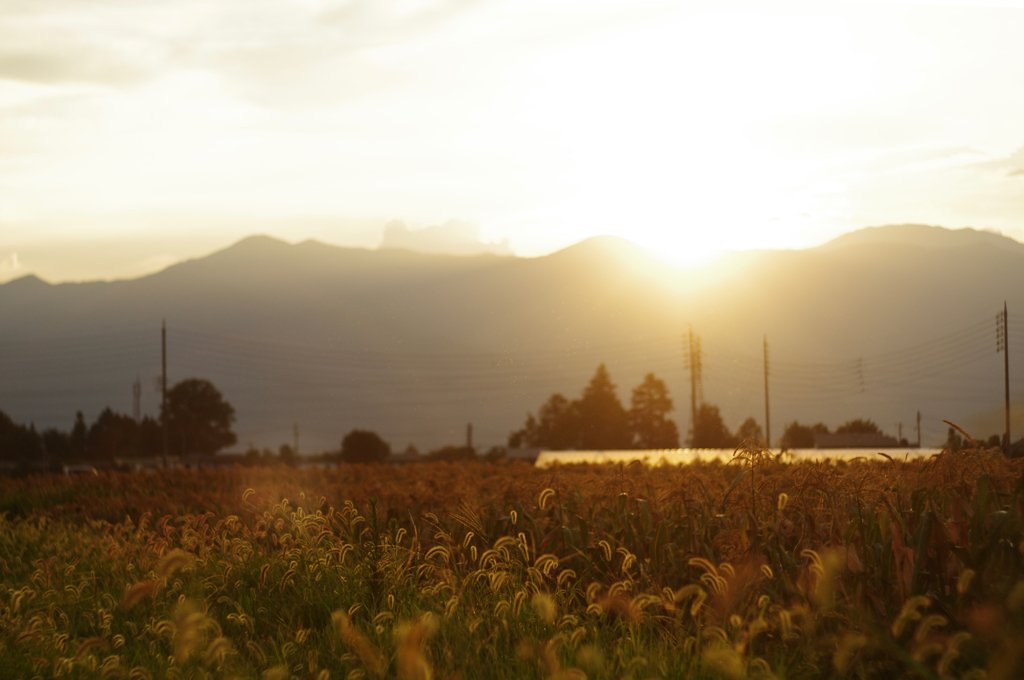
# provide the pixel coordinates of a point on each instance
(759, 568)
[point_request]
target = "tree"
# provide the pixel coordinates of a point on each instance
(750, 431)
(858, 426)
(111, 436)
(799, 436)
(57, 444)
(648, 422)
(198, 418)
(556, 426)
(364, 446)
(19, 443)
(953, 441)
(452, 454)
(597, 420)
(709, 432)
(79, 435)
(604, 423)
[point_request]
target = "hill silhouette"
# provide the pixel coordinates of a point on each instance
(415, 345)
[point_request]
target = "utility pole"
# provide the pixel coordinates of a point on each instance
(1002, 345)
(295, 434)
(767, 418)
(469, 436)
(137, 398)
(694, 364)
(163, 385)
(899, 437)
(918, 429)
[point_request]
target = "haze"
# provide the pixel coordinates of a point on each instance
(133, 135)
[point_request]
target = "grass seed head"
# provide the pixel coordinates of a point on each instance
(277, 673)
(726, 661)
(189, 624)
(172, 562)
(217, 651)
(147, 588)
(910, 612)
(848, 648)
(591, 658)
(544, 605)
(368, 654)
(411, 658)
(87, 646)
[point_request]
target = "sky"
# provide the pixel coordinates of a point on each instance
(135, 134)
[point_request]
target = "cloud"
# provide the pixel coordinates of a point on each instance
(69, 63)
(263, 49)
(454, 237)
(1010, 165)
(908, 160)
(10, 267)
(837, 133)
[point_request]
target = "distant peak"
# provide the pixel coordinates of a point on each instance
(28, 281)
(259, 241)
(604, 243)
(258, 245)
(923, 236)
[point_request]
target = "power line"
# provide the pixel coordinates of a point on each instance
(306, 373)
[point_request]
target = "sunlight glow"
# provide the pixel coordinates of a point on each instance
(690, 128)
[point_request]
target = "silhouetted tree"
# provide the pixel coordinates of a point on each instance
(452, 454)
(494, 454)
(604, 423)
(954, 442)
(556, 426)
(709, 432)
(79, 436)
(252, 456)
(597, 420)
(150, 437)
(19, 443)
(858, 426)
(111, 436)
(198, 417)
(750, 431)
(57, 444)
(799, 436)
(287, 455)
(364, 446)
(648, 421)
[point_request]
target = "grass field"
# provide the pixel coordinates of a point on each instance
(758, 568)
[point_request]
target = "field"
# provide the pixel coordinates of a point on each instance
(756, 568)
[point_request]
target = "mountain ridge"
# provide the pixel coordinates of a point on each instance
(923, 236)
(265, 246)
(416, 345)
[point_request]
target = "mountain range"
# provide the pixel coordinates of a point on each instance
(880, 323)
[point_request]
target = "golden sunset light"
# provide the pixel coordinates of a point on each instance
(512, 339)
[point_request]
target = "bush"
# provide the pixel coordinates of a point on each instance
(363, 446)
(452, 453)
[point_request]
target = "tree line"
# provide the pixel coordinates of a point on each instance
(366, 446)
(597, 420)
(199, 421)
